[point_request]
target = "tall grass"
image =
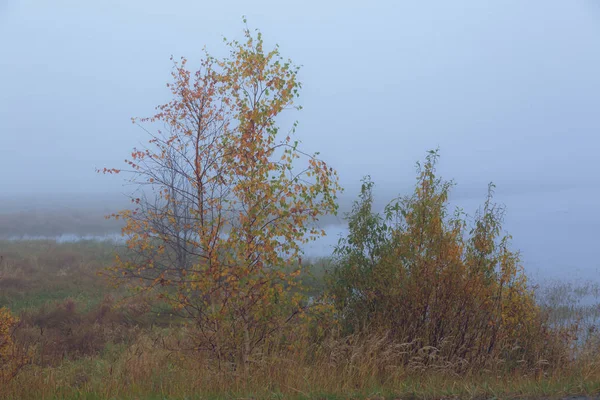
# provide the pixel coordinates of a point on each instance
(96, 349)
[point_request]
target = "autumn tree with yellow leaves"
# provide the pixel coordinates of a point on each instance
(225, 200)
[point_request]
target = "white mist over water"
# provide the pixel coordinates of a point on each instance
(557, 232)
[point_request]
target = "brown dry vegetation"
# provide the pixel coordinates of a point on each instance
(108, 350)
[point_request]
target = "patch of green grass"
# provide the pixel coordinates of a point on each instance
(86, 299)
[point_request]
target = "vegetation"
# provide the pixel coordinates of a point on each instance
(230, 209)
(112, 345)
(428, 280)
(209, 296)
(10, 360)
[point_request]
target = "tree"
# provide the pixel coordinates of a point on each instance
(222, 209)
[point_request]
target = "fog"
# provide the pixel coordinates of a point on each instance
(508, 90)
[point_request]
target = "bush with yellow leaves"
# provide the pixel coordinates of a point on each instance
(431, 279)
(11, 360)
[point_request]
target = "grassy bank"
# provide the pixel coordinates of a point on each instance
(87, 340)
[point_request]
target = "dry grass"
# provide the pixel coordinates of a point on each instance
(148, 369)
(101, 350)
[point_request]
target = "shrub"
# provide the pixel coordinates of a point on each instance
(11, 360)
(430, 280)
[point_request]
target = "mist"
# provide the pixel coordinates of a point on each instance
(507, 90)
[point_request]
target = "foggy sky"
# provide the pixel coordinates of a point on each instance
(508, 89)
